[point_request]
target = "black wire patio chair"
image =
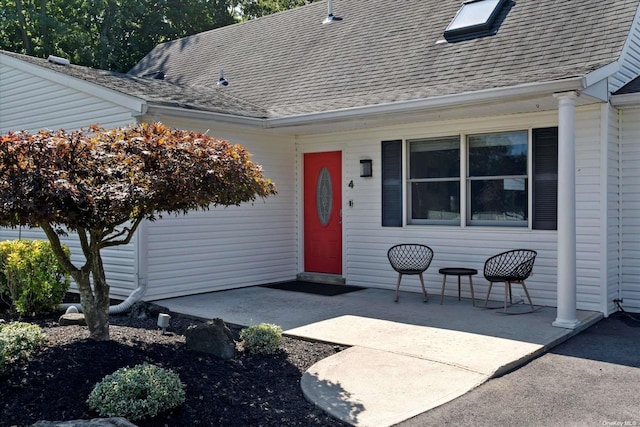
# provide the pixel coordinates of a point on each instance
(411, 259)
(510, 267)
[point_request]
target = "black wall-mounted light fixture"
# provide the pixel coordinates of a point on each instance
(366, 168)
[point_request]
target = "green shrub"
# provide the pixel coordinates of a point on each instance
(264, 338)
(31, 276)
(137, 393)
(18, 341)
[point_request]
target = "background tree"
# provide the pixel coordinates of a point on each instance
(250, 9)
(106, 34)
(101, 184)
(116, 34)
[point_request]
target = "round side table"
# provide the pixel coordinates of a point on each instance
(457, 271)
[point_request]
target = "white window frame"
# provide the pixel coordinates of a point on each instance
(465, 186)
(409, 181)
(468, 181)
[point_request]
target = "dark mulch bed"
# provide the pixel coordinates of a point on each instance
(250, 390)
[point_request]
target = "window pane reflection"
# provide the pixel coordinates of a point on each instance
(498, 154)
(499, 200)
(435, 200)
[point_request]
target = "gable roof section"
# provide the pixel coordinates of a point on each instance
(27, 65)
(152, 91)
(387, 51)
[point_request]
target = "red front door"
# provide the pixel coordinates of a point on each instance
(323, 212)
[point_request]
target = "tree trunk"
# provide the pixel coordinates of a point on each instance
(94, 300)
(104, 43)
(96, 312)
(95, 305)
(24, 34)
(43, 28)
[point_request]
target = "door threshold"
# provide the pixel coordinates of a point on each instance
(331, 279)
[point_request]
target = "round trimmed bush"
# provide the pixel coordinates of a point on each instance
(18, 340)
(136, 393)
(264, 338)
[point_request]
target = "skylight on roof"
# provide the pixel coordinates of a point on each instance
(474, 18)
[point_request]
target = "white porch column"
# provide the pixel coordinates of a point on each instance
(566, 300)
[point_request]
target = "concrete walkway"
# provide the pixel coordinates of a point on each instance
(404, 358)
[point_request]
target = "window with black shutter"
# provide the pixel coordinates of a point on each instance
(545, 178)
(392, 183)
(496, 197)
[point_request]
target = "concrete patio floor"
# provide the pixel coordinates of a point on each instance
(405, 358)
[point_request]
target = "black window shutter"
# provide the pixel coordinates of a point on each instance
(545, 178)
(392, 183)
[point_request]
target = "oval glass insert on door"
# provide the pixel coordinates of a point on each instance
(324, 196)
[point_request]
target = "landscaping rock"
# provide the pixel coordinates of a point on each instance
(96, 422)
(72, 319)
(144, 310)
(213, 338)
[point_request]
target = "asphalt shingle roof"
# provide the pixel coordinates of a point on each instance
(382, 51)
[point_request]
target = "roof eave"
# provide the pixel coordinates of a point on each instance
(160, 109)
(427, 104)
(401, 107)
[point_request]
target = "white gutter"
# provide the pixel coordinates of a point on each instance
(626, 100)
(438, 102)
(206, 115)
(400, 107)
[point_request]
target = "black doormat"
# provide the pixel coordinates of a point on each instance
(314, 288)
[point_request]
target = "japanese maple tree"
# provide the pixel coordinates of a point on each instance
(102, 183)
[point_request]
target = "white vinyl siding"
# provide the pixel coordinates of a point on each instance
(231, 247)
(630, 214)
(31, 103)
(366, 241)
(590, 252)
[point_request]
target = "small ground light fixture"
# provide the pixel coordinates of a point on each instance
(163, 322)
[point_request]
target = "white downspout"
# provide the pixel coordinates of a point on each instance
(605, 265)
(134, 297)
(620, 195)
(123, 307)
